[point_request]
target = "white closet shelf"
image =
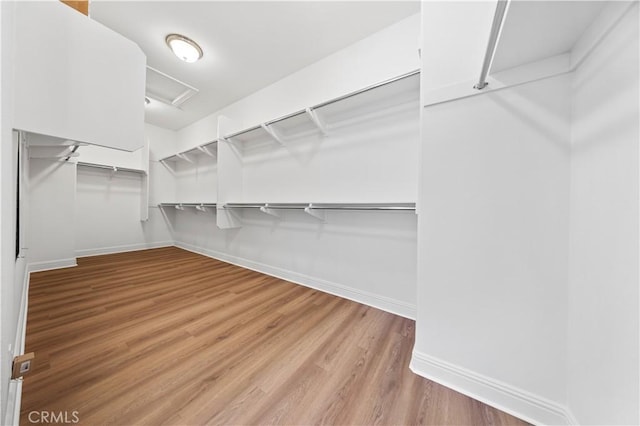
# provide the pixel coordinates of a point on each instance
(111, 168)
(204, 149)
(187, 204)
(181, 206)
(387, 94)
(323, 206)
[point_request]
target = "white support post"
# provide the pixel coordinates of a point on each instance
(316, 120)
(272, 133)
(318, 214)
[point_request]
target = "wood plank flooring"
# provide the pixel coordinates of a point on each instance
(165, 336)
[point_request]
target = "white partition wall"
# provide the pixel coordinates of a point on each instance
(52, 198)
(528, 225)
(87, 85)
(603, 353)
(12, 270)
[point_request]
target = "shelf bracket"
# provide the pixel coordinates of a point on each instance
(271, 132)
(320, 215)
(313, 116)
(269, 211)
(179, 207)
(51, 152)
(182, 156)
(205, 151)
(201, 208)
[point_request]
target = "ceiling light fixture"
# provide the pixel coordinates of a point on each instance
(183, 47)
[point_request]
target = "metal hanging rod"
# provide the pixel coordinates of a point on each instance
(112, 168)
(242, 132)
(187, 204)
(323, 206)
(367, 89)
(284, 117)
(498, 17)
(329, 102)
(198, 206)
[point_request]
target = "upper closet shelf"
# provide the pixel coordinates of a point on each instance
(181, 206)
(111, 168)
(398, 92)
(206, 149)
(323, 206)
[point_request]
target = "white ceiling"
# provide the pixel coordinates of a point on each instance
(247, 45)
(535, 30)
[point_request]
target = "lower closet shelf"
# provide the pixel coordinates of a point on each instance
(323, 206)
(181, 206)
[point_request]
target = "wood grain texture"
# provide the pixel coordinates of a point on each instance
(81, 6)
(165, 336)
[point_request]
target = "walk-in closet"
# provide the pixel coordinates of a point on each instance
(320, 212)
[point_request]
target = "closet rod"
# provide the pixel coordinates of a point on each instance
(250, 129)
(498, 17)
(323, 206)
(187, 204)
(113, 168)
(400, 207)
(367, 89)
(329, 102)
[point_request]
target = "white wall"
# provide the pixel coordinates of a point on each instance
(196, 182)
(12, 272)
(52, 220)
(493, 234)
(603, 286)
(368, 257)
(528, 232)
(108, 214)
(493, 225)
(85, 78)
(163, 185)
(108, 205)
(370, 160)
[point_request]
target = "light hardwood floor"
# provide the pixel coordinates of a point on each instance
(166, 336)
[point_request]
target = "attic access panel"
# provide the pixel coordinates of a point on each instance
(166, 89)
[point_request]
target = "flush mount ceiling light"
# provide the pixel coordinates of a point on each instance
(183, 47)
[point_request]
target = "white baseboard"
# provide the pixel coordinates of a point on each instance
(387, 304)
(515, 401)
(51, 264)
(122, 249)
